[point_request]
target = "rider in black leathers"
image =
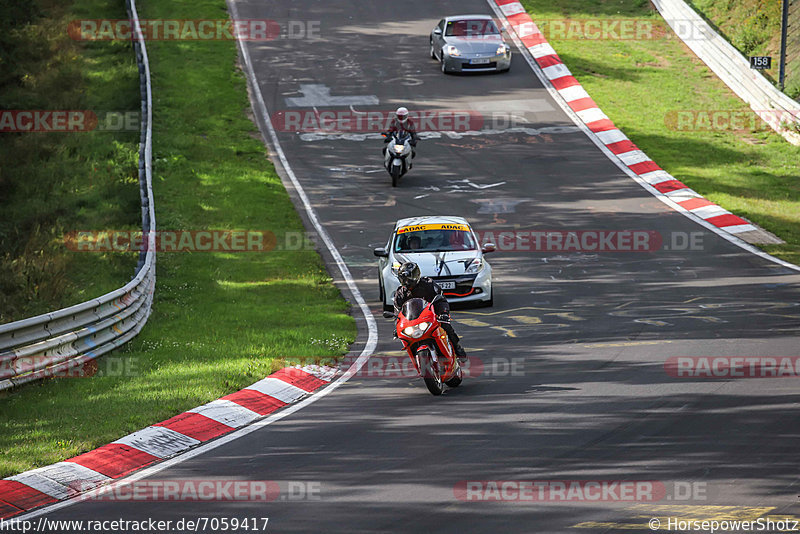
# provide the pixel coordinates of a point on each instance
(415, 286)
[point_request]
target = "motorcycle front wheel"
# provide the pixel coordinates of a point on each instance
(395, 172)
(430, 372)
(457, 378)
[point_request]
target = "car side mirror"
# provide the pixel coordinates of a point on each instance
(381, 252)
(389, 315)
(488, 247)
(437, 31)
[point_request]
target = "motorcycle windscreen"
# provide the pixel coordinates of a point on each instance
(413, 308)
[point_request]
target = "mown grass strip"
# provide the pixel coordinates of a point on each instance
(220, 320)
(52, 183)
(642, 83)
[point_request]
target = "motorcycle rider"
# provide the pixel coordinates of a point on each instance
(412, 285)
(402, 123)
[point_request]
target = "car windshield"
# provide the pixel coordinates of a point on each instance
(434, 241)
(471, 28)
(412, 309)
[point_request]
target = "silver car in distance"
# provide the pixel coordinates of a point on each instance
(470, 43)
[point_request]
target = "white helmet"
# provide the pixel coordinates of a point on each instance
(402, 114)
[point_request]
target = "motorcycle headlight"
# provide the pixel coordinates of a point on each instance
(453, 51)
(395, 267)
(476, 266)
(416, 331)
(399, 148)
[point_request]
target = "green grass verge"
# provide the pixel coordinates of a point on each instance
(53, 183)
(641, 84)
(220, 321)
(754, 28)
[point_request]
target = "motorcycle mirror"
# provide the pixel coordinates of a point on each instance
(488, 247)
(380, 252)
(388, 315)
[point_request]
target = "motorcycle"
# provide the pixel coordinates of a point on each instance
(396, 158)
(427, 345)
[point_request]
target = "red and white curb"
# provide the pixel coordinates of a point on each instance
(64, 480)
(612, 137)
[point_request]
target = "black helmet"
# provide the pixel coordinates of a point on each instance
(408, 274)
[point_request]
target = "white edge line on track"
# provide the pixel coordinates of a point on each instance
(618, 162)
(372, 328)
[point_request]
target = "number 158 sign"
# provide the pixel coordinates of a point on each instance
(760, 62)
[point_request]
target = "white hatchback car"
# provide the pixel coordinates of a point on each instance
(446, 250)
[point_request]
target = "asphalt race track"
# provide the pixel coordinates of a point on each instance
(571, 384)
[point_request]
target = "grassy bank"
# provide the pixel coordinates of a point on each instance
(52, 183)
(642, 84)
(754, 28)
(220, 321)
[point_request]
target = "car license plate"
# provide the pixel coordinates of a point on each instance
(447, 285)
(479, 61)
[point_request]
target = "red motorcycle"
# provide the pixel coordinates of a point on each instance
(427, 345)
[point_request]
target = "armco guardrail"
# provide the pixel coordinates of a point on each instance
(55, 343)
(774, 107)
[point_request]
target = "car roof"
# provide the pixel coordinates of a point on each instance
(431, 219)
(472, 17)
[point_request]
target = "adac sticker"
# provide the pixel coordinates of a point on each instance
(442, 226)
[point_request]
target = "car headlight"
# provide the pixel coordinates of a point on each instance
(475, 266)
(453, 51)
(503, 50)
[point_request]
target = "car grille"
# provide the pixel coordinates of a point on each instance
(468, 66)
(463, 284)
